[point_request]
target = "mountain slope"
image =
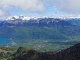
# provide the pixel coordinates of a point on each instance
(72, 53)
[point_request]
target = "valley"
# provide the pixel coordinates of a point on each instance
(40, 34)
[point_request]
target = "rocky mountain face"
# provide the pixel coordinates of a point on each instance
(72, 53)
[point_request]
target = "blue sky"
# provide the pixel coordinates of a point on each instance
(39, 7)
(48, 12)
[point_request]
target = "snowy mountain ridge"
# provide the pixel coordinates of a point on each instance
(38, 17)
(39, 21)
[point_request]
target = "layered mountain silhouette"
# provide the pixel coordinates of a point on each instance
(72, 53)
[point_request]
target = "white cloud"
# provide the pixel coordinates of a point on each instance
(69, 6)
(26, 5)
(3, 13)
(30, 5)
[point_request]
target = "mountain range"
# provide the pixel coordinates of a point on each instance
(38, 21)
(40, 33)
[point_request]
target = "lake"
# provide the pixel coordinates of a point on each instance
(4, 41)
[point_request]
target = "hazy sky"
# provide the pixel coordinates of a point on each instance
(39, 7)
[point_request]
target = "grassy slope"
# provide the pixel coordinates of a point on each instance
(5, 50)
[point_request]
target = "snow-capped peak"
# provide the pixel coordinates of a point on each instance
(37, 17)
(21, 18)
